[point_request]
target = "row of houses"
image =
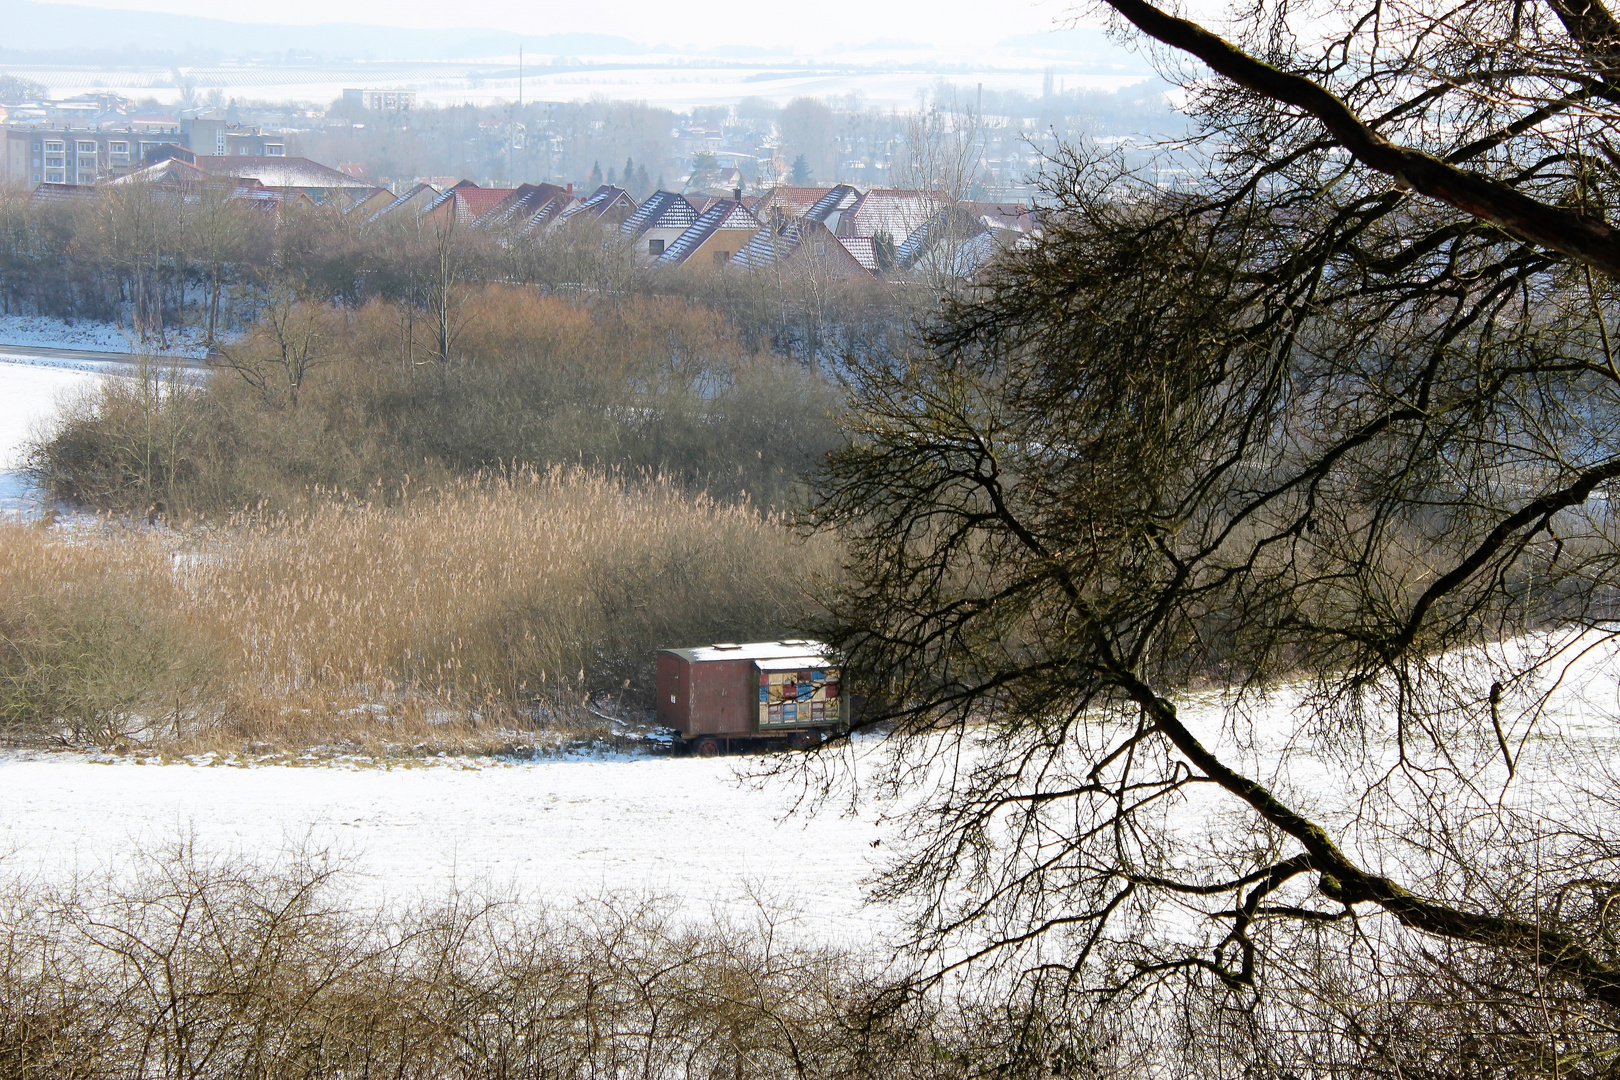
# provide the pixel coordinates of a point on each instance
(844, 229)
(847, 230)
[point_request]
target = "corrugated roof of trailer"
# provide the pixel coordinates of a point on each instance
(754, 650)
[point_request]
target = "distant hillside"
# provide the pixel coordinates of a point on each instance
(69, 33)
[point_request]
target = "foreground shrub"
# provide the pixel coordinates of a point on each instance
(203, 969)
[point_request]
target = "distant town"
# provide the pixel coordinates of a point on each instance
(751, 185)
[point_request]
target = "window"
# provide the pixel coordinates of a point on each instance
(720, 257)
(55, 147)
(118, 148)
(57, 162)
(655, 247)
(275, 149)
(821, 249)
(53, 178)
(86, 146)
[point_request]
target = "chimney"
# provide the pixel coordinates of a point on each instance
(570, 187)
(736, 193)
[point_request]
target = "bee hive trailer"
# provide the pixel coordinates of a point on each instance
(721, 697)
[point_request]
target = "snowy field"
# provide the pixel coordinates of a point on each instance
(557, 831)
(698, 831)
(29, 392)
(676, 85)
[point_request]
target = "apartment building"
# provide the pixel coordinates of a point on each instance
(218, 136)
(380, 100)
(114, 142)
(32, 156)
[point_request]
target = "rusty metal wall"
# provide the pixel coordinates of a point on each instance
(716, 697)
(674, 706)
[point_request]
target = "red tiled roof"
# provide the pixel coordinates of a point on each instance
(896, 211)
(473, 202)
(795, 201)
(862, 248)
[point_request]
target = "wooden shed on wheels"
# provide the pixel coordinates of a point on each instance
(724, 696)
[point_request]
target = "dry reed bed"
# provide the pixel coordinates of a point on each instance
(477, 607)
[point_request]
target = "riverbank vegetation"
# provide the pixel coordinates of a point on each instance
(492, 608)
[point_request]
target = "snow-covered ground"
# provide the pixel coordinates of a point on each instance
(893, 77)
(555, 831)
(42, 331)
(32, 385)
(28, 396)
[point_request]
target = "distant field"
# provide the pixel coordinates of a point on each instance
(669, 86)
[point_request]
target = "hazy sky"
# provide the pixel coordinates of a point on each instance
(949, 24)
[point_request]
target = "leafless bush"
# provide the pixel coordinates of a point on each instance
(314, 399)
(211, 968)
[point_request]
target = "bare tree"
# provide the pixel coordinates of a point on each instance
(942, 152)
(291, 339)
(1215, 564)
(448, 260)
(137, 231)
(221, 231)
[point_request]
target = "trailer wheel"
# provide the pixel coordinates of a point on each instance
(707, 747)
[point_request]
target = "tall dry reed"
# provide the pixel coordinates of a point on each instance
(493, 602)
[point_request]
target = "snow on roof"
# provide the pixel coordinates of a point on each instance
(601, 202)
(724, 214)
(863, 249)
(419, 193)
(896, 211)
(278, 172)
(662, 210)
(836, 199)
(529, 206)
(473, 202)
(169, 169)
(795, 201)
(810, 651)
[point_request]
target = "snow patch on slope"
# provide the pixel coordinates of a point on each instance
(42, 331)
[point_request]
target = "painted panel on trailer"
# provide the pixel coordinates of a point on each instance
(797, 697)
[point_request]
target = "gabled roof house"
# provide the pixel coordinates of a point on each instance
(659, 221)
(719, 233)
(607, 204)
(802, 242)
